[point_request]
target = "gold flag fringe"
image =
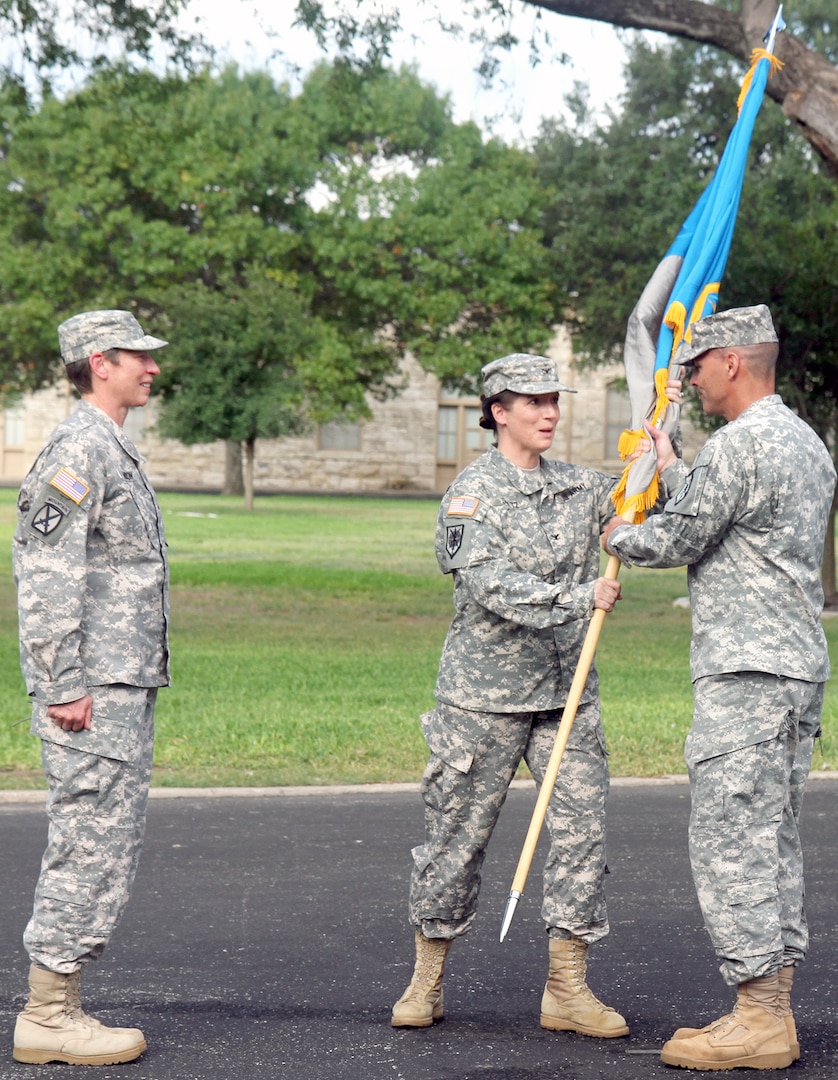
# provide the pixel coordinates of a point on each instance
(628, 443)
(756, 56)
(639, 503)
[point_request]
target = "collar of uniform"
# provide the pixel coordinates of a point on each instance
(767, 402)
(93, 412)
(527, 483)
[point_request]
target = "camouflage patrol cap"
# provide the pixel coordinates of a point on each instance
(738, 326)
(523, 373)
(96, 331)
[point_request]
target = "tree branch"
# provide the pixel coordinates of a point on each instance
(682, 18)
(806, 88)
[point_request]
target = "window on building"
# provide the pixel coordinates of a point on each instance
(336, 436)
(13, 425)
(446, 433)
(459, 436)
(477, 438)
(617, 416)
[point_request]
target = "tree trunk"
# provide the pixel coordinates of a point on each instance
(830, 594)
(249, 454)
(830, 591)
(806, 88)
(233, 477)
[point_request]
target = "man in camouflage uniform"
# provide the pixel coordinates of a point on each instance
(89, 557)
(520, 536)
(749, 521)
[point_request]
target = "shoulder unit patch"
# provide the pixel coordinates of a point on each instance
(453, 539)
(55, 506)
(47, 518)
(688, 497)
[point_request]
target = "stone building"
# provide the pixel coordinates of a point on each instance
(416, 442)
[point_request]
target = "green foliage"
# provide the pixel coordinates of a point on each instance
(362, 42)
(621, 190)
(372, 115)
(453, 253)
(136, 183)
(346, 31)
(815, 22)
(46, 33)
(248, 385)
(290, 248)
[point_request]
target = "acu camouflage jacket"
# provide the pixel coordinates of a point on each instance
(749, 521)
(524, 554)
(89, 559)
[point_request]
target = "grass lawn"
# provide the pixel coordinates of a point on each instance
(305, 641)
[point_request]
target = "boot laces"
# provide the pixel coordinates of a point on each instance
(577, 969)
(726, 1023)
(734, 1018)
(429, 962)
(73, 1007)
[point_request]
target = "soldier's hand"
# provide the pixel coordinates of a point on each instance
(614, 523)
(73, 715)
(664, 453)
(606, 593)
(673, 390)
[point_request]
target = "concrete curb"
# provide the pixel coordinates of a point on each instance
(38, 796)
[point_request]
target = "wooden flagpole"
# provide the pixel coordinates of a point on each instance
(577, 687)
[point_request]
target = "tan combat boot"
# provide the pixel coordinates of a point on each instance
(567, 1003)
(53, 1027)
(421, 1003)
(755, 1035)
(785, 979)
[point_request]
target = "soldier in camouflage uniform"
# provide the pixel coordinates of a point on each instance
(89, 557)
(749, 521)
(520, 536)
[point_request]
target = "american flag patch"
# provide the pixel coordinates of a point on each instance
(70, 485)
(462, 506)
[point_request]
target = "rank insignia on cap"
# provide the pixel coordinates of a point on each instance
(462, 506)
(70, 485)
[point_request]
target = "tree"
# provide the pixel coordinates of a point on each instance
(451, 257)
(621, 189)
(356, 208)
(236, 373)
(46, 33)
(807, 87)
(136, 183)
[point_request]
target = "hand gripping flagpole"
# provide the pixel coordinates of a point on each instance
(577, 687)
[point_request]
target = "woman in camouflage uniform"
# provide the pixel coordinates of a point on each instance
(89, 557)
(519, 534)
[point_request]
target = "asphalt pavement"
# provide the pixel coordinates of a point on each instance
(266, 939)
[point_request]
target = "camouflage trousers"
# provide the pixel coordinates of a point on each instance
(474, 757)
(97, 811)
(744, 843)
